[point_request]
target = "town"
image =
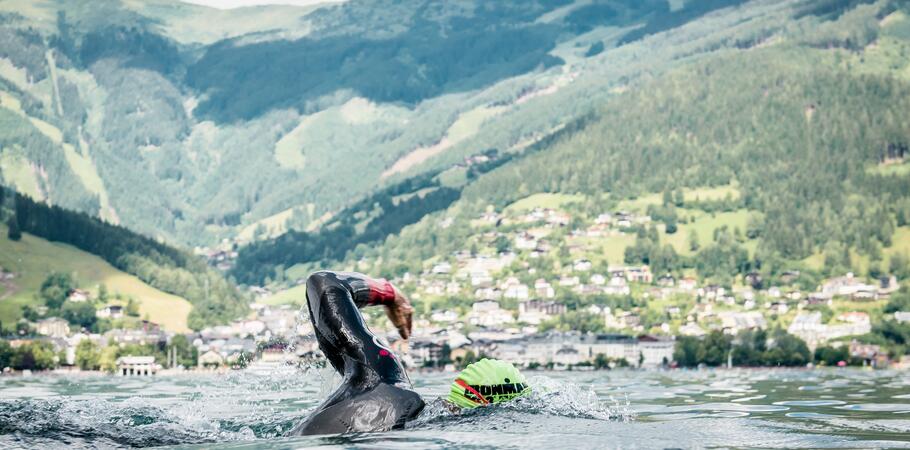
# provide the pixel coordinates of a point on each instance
(496, 300)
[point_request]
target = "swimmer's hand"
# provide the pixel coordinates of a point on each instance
(400, 312)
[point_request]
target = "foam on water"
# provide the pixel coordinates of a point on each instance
(548, 397)
(251, 410)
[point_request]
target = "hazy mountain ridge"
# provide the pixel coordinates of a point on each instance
(132, 100)
(787, 119)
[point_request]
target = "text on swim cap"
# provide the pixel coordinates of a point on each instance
(498, 392)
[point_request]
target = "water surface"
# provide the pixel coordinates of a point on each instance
(619, 409)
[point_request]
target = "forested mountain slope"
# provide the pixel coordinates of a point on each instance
(786, 112)
(807, 131)
(192, 124)
(158, 269)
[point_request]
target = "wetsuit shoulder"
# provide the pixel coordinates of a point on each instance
(383, 408)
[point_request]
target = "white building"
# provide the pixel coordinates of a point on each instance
(447, 316)
(487, 313)
(248, 327)
(110, 312)
(617, 286)
(544, 289)
(582, 265)
(691, 329)
(655, 351)
(453, 288)
(442, 268)
(809, 327)
(567, 356)
(849, 286)
(54, 327)
(481, 278)
(210, 359)
(738, 321)
(524, 241)
(688, 284)
(78, 296)
(487, 293)
(513, 288)
(613, 346)
(136, 365)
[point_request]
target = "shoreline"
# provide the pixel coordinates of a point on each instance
(226, 371)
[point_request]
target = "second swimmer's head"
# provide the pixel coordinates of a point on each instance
(486, 382)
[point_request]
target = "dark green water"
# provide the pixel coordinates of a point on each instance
(622, 409)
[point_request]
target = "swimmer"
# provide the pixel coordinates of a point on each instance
(376, 393)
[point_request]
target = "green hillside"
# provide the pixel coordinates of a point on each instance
(192, 124)
(214, 299)
(764, 155)
(32, 259)
(345, 131)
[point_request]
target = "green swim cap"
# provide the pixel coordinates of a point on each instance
(487, 381)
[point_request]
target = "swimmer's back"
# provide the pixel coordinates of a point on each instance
(385, 407)
(375, 394)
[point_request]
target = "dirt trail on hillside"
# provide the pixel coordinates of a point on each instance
(10, 288)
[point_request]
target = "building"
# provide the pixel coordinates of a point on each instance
(809, 327)
(443, 268)
(655, 351)
(688, 284)
(447, 316)
(849, 286)
(110, 312)
(524, 241)
(735, 322)
(567, 356)
(582, 265)
(487, 293)
(617, 286)
(210, 359)
(54, 327)
(692, 329)
(515, 352)
(136, 366)
(639, 275)
(534, 312)
(426, 353)
(544, 289)
(487, 313)
(78, 296)
(248, 327)
(517, 291)
(613, 346)
(481, 278)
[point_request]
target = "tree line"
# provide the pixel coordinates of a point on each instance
(215, 299)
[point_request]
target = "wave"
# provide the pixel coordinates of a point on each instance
(548, 397)
(239, 408)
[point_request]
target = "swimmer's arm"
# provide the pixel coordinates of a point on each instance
(371, 291)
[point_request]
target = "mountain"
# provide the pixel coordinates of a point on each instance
(194, 124)
(347, 132)
(800, 131)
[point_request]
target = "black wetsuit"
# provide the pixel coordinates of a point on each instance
(376, 393)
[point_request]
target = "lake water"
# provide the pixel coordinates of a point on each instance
(619, 409)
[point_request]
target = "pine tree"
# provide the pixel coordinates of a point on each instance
(694, 245)
(13, 232)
